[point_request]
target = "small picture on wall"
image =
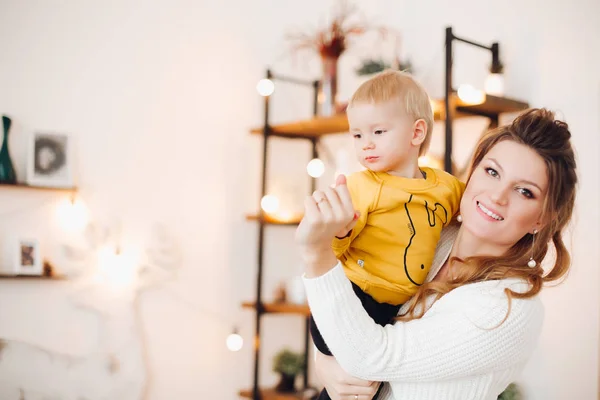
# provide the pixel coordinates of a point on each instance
(49, 160)
(28, 260)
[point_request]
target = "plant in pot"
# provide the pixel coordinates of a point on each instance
(289, 365)
(372, 66)
(512, 392)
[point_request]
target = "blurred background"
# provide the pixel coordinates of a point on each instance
(129, 230)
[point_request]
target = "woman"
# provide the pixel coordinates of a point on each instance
(470, 329)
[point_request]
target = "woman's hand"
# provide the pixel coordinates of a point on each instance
(326, 214)
(340, 385)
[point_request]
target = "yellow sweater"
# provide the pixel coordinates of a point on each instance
(389, 252)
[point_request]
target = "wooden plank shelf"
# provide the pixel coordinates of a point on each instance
(492, 107)
(274, 220)
(34, 277)
(319, 126)
(271, 394)
(281, 308)
(25, 186)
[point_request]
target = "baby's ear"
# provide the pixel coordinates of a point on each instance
(419, 132)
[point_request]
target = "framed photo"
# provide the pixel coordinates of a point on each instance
(28, 260)
(49, 161)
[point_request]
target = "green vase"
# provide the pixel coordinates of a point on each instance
(7, 171)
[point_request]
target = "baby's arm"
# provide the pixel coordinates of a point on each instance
(361, 195)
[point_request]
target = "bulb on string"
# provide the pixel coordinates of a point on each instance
(72, 214)
(234, 341)
(265, 87)
(494, 85)
(470, 96)
(269, 203)
(315, 168)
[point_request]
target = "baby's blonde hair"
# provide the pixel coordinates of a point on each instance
(392, 85)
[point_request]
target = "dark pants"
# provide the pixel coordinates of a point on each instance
(381, 313)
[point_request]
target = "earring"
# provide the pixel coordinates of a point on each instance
(532, 262)
(459, 218)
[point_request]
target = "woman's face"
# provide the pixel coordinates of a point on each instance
(504, 198)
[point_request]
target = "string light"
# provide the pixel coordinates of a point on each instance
(470, 96)
(269, 203)
(72, 214)
(431, 162)
(265, 87)
(494, 84)
(234, 341)
(315, 168)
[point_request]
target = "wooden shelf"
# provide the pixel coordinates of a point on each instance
(34, 277)
(39, 188)
(315, 127)
(271, 394)
(281, 308)
(492, 107)
(272, 220)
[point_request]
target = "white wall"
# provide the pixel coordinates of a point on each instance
(160, 98)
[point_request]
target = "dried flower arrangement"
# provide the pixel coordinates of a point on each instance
(330, 43)
(333, 40)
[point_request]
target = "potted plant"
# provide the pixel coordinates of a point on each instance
(512, 392)
(371, 66)
(289, 365)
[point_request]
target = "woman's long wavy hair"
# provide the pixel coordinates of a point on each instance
(550, 138)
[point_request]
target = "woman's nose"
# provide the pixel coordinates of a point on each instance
(500, 195)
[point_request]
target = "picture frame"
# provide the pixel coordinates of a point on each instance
(50, 160)
(27, 257)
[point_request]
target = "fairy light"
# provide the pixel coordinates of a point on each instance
(72, 214)
(315, 168)
(469, 95)
(494, 84)
(269, 203)
(234, 341)
(265, 87)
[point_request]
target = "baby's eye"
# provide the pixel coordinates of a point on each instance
(491, 172)
(356, 136)
(379, 131)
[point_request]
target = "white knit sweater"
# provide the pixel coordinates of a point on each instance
(455, 351)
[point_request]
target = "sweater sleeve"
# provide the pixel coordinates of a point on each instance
(461, 335)
(363, 193)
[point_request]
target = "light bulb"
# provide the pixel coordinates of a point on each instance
(470, 96)
(494, 84)
(431, 162)
(269, 203)
(117, 268)
(265, 87)
(315, 168)
(234, 341)
(72, 215)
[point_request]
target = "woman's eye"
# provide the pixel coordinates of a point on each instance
(491, 172)
(357, 136)
(525, 192)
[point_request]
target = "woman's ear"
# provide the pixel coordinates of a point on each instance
(419, 132)
(537, 227)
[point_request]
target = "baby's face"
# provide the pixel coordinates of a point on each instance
(382, 135)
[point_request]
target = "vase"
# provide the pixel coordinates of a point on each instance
(286, 383)
(328, 88)
(7, 171)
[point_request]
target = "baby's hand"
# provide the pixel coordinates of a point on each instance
(344, 233)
